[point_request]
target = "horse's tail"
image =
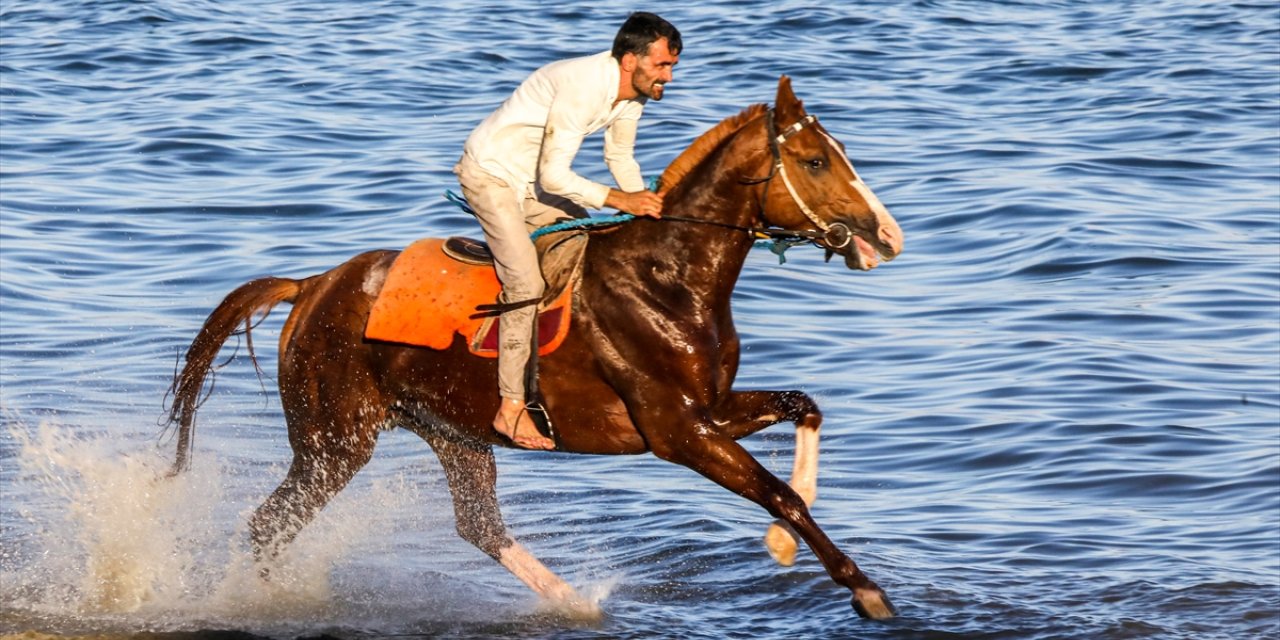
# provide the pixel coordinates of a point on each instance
(239, 308)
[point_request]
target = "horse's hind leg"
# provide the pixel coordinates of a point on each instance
(472, 475)
(743, 413)
(331, 400)
(323, 464)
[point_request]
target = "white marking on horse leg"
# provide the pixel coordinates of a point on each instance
(781, 539)
(804, 470)
(781, 542)
(534, 574)
(543, 582)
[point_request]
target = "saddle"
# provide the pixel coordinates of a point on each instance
(437, 288)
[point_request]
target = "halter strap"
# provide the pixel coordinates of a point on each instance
(775, 145)
(795, 128)
(835, 235)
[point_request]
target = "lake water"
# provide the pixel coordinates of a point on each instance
(1056, 415)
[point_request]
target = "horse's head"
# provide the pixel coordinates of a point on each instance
(813, 185)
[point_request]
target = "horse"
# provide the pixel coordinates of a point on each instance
(647, 366)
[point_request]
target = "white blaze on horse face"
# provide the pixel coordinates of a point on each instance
(835, 146)
(888, 230)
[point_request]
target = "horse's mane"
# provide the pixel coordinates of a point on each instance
(705, 144)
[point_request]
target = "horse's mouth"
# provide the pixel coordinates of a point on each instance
(857, 253)
(864, 257)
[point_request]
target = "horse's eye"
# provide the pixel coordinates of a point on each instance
(816, 164)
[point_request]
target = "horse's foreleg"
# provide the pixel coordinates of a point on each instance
(472, 475)
(743, 413)
(725, 462)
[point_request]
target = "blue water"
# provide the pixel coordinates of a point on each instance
(1056, 415)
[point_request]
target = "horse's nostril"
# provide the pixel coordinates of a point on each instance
(891, 236)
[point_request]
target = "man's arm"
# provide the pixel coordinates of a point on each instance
(560, 143)
(619, 154)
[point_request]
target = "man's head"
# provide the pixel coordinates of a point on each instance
(641, 30)
(647, 48)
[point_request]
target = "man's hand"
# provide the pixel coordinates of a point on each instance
(640, 203)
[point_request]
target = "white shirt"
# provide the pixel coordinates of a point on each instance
(534, 136)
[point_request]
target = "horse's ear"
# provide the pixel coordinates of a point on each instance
(789, 108)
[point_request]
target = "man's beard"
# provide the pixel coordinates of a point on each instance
(656, 89)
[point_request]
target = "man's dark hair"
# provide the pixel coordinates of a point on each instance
(641, 30)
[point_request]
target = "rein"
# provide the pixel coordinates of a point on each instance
(760, 232)
(776, 240)
(833, 236)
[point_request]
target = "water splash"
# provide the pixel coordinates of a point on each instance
(588, 610)
(117, 537)
(116, 545)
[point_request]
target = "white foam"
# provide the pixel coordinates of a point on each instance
(107, 542)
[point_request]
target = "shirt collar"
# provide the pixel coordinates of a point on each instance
(614, 75)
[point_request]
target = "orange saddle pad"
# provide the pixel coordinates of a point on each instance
(429, 296)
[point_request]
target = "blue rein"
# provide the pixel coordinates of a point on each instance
(778, 246)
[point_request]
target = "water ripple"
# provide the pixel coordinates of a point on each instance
(1054, 416)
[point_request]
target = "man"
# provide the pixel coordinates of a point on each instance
(516, 173)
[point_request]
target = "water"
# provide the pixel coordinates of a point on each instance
(1057, 415)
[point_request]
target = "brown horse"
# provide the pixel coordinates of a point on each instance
(648, 364)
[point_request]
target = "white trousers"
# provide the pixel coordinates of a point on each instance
(507, 221)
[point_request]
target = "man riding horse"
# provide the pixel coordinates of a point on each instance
(646, 364)
(516, 174)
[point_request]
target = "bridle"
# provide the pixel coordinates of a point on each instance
(833, 235)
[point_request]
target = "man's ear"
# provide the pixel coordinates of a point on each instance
(629, 62)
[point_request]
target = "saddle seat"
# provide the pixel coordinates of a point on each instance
(437, 288)
(468, 251)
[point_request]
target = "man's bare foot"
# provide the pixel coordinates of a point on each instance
(514, 422)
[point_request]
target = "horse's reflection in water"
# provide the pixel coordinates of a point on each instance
(648, 364)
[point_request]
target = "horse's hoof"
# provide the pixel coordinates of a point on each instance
(575, 608)
(872, 603)
(781, 543)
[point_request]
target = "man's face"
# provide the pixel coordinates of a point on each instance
(653, 70)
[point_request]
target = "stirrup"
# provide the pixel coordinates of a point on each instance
(541, 419)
